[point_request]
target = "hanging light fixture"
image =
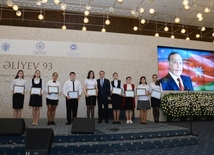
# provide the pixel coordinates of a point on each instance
(200, 19)
(177, 20)
(187, 38)
(40, 16)
(186, 7)
(111, 9)
(203, 28)
(151, 11)
(38, 2)
(86, 12)
(64, 27)
(15, 7)
(9, 3)
(185, 2)
(120, 1)
(85, 20)
(141, 10)
(56, 2)
(103, 30)
(142, 21)
(63, 6)
(156, 34)
(166, 28)
(18, 13)
(44, 1)
(207, 10)
(88, 7)
(135, 28)
(199, 15)
(183, 30)
(172, 36)
(197, 35)
(84, 28)
(107, 22)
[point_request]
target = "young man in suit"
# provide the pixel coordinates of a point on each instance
(174, 80)
(103, 86)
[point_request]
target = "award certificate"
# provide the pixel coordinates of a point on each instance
(35, 91)
(156, 94)
(18, 89)
(129, 93)
(117, 91)
(73, 94)
(91, 92)
(53, 89)
(141, 91)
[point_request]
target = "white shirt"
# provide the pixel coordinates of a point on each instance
(153, 86)
(52, 96)
(19, 82)
(129, 87)
(116, 84)
(144, 97)
(68, 86)
(90, 83)
(175, 78)
(36, 81)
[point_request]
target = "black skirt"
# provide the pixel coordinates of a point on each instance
(35, 101)
(51, 102)
(18, 101)
(155, 102)
(91, 100)
(128, 104)
(116, 101)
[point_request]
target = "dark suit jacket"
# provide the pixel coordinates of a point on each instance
(168, 83)
(103, 92)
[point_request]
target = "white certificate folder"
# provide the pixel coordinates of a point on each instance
(156, 94)
(73, 94)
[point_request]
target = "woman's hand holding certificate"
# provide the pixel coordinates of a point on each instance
(117, 91)
(141, 91)
(53, 89)
(35, 91)
(92, 92)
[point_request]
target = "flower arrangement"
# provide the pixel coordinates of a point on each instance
(195, 104)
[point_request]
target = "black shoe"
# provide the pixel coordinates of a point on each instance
(99, 122)
(68, 123)
(118, 122)
(49, 123)
(114, 122)
(106, 121)
(53, 123)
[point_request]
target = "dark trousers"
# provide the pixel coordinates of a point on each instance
(103, 113)
(71, 105)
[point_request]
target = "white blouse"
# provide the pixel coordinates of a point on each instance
(153, 86)
(52, 96)
(36, 81)
(91, 83)
(19, 82)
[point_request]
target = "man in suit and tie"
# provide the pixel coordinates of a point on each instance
(174, 80)
(103, 86)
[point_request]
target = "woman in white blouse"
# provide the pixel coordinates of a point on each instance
(155, 102)
(143, 100)
(18, 87)
(36, 96)
(90, 85)
(53, 89)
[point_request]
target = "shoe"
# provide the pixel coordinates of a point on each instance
(127, 122)
(53, 123)
(33, 124)
(107, 121)
(68, 123)
(36, 124)
(141, 122)
(118, 122)
(144, 123)
(99, 122)
(114, 122)
(130, 121)
(49, 123)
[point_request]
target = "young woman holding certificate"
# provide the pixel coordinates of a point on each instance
(156, 89)
(18, 87)
(143, 92)
(36, 91)
(90, 90)
(128, 103)
(52, 89)
(116, 97)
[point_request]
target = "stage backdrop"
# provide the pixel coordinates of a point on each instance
(56, 50)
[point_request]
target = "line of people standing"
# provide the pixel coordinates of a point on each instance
(103, 92)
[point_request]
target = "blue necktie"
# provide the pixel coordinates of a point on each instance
(101, 82)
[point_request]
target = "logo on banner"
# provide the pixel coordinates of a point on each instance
(40, 46)
(73, 52)
(5, 47)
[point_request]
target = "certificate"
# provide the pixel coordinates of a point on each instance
(156, 94)
(91, 92)
(129, 93)
(18, 89)
(117, 91)
(35, 91)
(73, 94)
(141, 91)
(53, 89)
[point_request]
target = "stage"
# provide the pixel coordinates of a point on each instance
(106, 138)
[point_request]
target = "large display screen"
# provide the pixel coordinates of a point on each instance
(195, 68)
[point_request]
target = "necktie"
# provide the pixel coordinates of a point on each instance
(102, 82)
(73, 86)
(180, 85)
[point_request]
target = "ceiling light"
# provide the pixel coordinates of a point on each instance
(166, 29)
(64, 27)
(187, 38)
(9, 3)
(133, 12)
(18, 13)
(186, 7)
(200, 19)
(203, 28)
(151, 11)
(85, 20)
(156, 34)
(197, 35)
(172, 36)
(120, 1)
(111, 9)
(183, 30)
(103, 30)
(40, 17)
(44, 1)
(151, 0)
(207, 10)
(15, 7)
(213, 34)
(84, 28)
(199, 15)
(57, 1)
(141, 10)
(177, 20)
(185, 2)
(107, 22)
(63, 6)
(135, 28)
(142, 21)
(38, 2)
(86, 12)
(88, 7)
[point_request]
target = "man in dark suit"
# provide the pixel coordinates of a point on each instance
(174, 80)
(103, 86)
